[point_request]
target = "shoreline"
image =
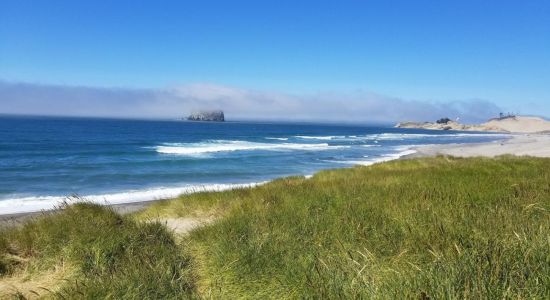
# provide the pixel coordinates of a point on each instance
(15, 219)
(18, 217)
(537, 145)
(48, 203)
(124, 202)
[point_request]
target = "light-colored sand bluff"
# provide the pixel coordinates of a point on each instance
(520, 124)
(516, 124)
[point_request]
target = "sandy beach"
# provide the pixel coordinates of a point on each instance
(537, 145)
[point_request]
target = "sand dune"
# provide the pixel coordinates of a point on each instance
(517, 124)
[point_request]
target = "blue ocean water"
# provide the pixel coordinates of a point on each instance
(44, 160)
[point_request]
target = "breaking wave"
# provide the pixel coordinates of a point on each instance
(39, 203)
(228, 146)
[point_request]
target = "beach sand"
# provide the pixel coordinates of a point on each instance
(537, 145)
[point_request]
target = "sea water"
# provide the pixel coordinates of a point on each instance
(45, 160)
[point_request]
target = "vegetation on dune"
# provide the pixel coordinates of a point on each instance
(439, 228)
(436, 227)
(108, 255)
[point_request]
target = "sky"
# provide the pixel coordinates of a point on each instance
(367, 61)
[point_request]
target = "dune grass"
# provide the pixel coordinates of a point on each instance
(107, 255)
(443, 228)
(430, 228)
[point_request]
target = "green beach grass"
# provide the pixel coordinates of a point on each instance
(437, 228)
(102, 254)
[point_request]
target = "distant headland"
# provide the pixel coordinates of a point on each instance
(504, 123)
(208, 116)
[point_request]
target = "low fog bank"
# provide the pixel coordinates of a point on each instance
(237, 103)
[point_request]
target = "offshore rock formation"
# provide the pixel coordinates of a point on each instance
(210, 116)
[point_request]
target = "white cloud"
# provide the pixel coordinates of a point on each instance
(238, 103)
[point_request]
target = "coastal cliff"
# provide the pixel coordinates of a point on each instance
(209, 116)
(511, 124)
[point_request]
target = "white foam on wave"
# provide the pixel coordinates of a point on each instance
(227, 146)
(398, 136)
(403, 151)
(40, 203)
(328, 137)
(277, 138)
(403, 136)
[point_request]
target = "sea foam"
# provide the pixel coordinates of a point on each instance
(228, 146)
(40, 203)
(277, 138)
(402, 151)
(396, 136)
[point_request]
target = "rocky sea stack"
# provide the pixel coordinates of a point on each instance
(209, 116)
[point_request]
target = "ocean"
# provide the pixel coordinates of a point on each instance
(43, 161)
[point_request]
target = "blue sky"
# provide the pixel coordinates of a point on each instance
(433, 51)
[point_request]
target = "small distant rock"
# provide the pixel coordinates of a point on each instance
(209, 116)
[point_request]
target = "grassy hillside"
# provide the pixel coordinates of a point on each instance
(439, 228)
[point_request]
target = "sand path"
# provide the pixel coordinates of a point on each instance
(182, 226)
